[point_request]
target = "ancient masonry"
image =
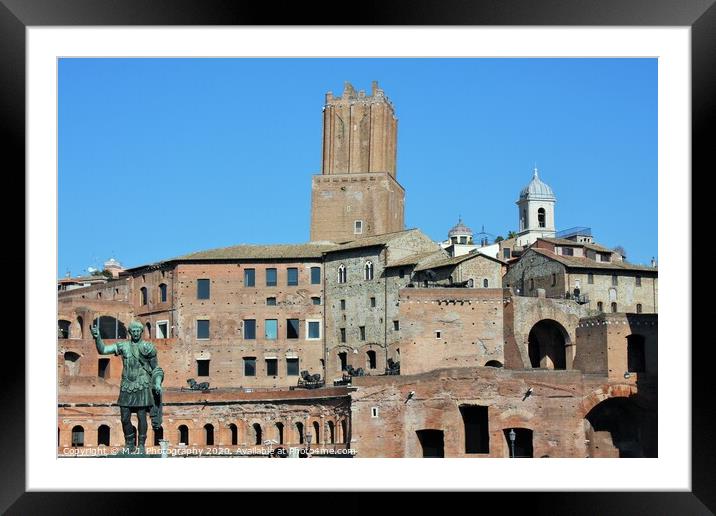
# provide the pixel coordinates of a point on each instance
(536, 346)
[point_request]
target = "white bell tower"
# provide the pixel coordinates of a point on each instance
(535, 211)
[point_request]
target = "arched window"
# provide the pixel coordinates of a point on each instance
(183, 434)
(470, 283)
(78, 436)
(209, 434)
(257, 433)
(341, 273)
(523, 222)
(143, 295)
(234, 434)
(163, 293)
(485, 283)
(317, 431)
(63, 329)
(368, 270)
(299, 432)
(80, 325)
(331, 432)
(532, 284)
(72, 363)
(158, 435)
(371, 362)
(600, 306)
(279, 433)
(638, 308)
(149, 330)
(614, 308)
(103, 435)
(344, 431)
(541, 217)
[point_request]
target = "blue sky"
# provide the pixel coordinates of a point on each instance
(163, 157)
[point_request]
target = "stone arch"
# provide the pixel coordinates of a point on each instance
(256, 433)
(209, 434)
(547, 344)
(316, 432)
(78, 436)
(620, 427)
(493, 363)
(234, 433)
(103, 435)
(72, 363)
(63, 328)
(183, 432)
(620, 390)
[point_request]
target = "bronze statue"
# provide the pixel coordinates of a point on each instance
(141, 387)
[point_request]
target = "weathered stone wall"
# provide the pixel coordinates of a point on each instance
(230, 304)
(449, 327)
(337, 201)
(534, 271)
(626, 293)
(554, 412)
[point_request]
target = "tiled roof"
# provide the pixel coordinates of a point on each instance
(259, 252)
(376, 240)
(575, 262)
(417, 258)
(452, 261)
(564, 241)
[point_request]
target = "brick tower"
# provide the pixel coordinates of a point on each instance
(356, 195)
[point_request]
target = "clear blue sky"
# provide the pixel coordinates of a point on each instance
(163, 157)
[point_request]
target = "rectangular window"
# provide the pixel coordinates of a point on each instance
(162, 330)
(615, 280)
(163, 292)
(249, 366)
(638, 308)
(343, 304)
(103, 368)
(271, 329)
(554, 279)
(605, 257)
(316, 300)
(396, 325)
(292, 367)
(202, 367)
(567, 251)
(437, 334)
(590, 278)
(477, 435)
(271, 278)
(361, 330)
(343, 334)
(358, 227)
(270, 301)
(506, 252)
(315, 275)
(372, 302)
(249, 277)
(314, 329)
(374, 412)
(202, 329)
(249, 329)
(291, 328)
(638, 281)
(202, 289)
(292, 274)
(401, 273)
(271, 367)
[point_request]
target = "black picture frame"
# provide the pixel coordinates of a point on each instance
(700, 15)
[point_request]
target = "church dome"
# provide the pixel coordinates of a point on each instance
(460, 229)
(537, 189)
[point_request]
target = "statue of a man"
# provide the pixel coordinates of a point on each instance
(141, 375)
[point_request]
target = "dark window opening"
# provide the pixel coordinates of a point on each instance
(63, 329)
(234, 434)
(638, 281)
(270, 301)
(279, 433)
(332, 432)
(485, 283)
(343, 304)
(554, 279)
(315, 275)
(143, 293)
(158, 435)
(371, 359)
(547, 343)
(209, 434)
(203, 289)
(78, 436)
(271, 367)
(162, 330)
(249, 366)
(257, 433)
(541, 216)
(636, 362)
(600, 306)
(401, 273)
(432, 442)
(521, 447)
(103, 435)
(291, 328)
(614, 308)
(103, 368)
(316, 300)
(317, 432)
(292, 367)
(372, 302)
(299, 432)
(183, 434)
(163, 292)
(343, 358)
(477, 435)
(361, 330)
(568, 251)
(314, 330)
(396, 325)
(343, 334)
(202, 367)
(590, 278)
(638, 308)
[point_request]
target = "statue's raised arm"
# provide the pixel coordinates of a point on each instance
(101, 348)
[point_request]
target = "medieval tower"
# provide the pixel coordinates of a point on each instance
(357, 195)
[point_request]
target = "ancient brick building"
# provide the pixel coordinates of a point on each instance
(460, 355)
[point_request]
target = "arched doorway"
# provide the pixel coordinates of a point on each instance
(619, 427)
(519, 442)
(103, 435)
(234, 434)
(183, 434)
(432, 443)
(547, 345)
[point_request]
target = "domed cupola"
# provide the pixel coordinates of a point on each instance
(535, 211)
(537, 189)
(460, 233)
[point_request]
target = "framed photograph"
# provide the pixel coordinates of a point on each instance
(79, 58)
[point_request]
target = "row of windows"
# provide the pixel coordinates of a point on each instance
(361, 331)
(600, 307)
(590, 280)
(367, 272)
(271, 369)
(313, 329)
(144, 294)
(203, 285)
(271, 301)
(103, 434)
(371, 303)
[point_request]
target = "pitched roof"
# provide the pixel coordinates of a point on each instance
(572, 243)
(375, 240)
(453, 260)
(417, 258)
(259, 252)
(578, 262)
